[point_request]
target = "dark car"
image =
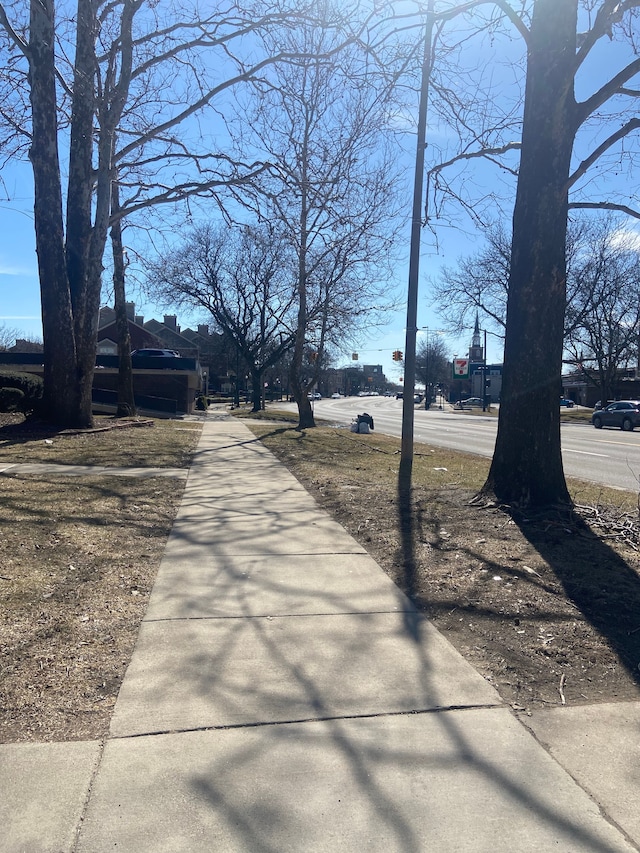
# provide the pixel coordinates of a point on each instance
(567, 403)
(624, 414)
(156, 353)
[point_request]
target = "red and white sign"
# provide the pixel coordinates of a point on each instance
(460, 368)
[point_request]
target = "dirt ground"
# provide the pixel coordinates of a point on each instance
(78, 558)
(547, 608)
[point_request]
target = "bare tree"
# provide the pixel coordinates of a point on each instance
(605, 337)
(433, 366)
(126, 398)
(8, 337)
(477, 284)
(244, 278)
(558, 167)
(480, 282)
(320, 123)
(527, 461)
(142, 72)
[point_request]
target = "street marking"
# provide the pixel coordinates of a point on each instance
(618, 443)
(585, 453)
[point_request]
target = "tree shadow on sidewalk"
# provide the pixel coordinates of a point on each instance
(407, 530)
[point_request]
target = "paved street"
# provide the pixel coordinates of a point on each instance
(610, 457)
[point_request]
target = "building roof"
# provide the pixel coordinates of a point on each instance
(141, 338)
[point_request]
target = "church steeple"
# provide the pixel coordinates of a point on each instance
(476, 352)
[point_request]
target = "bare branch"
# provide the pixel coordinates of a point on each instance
(605, 205)
(17, 39)
(512, 15)
(609, 13)
(612, 87)
(180, 192)
(625, 130)
(210, 95)
(473, 155)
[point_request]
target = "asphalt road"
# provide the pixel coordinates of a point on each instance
(610, 457)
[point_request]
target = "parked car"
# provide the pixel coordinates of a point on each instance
(156, 353)
(567, 403)
(314, 395)
(472, 401)
(624, 414)
(336, 396)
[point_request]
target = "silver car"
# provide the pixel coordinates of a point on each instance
(624, 414)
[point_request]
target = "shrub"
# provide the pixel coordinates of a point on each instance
(201, 403)
(11, 400)
(29, 384)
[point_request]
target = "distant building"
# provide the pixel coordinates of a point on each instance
(169, 333)
(583, 386)
(108, 333)
(474, 386)
(476, 350)
(373, 377)
(171, 387)
(23, 345)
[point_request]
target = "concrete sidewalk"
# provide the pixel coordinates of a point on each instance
(284, 695)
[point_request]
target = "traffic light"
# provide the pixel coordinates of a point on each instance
(397, 355)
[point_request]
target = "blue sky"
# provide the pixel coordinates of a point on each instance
(19, 286)
(20, 289)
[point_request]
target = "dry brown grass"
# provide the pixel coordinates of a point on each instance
(545, 606)
(78, 557)
(139, 442)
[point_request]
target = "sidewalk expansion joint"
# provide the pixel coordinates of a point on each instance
(87, 796)
(269, 617)
(335, 718)
(603, 811)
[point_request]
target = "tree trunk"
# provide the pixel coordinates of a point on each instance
(79, 208)
(60, 375)
(527, 462)
(256, 390)
(305, 412)
(126, 399)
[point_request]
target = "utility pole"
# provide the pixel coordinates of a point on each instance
(484, 373)
(406, 447)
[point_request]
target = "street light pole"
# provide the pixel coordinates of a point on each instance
(406, 447)
(484, 373)
(427, 376)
